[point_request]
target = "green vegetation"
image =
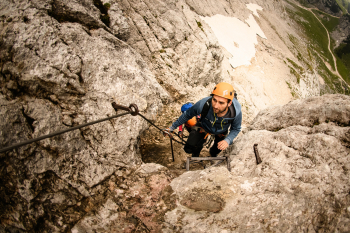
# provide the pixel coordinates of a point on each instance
(316, 122)
(343, 59)
(334, 84)
(339, 5)
(296, 66)
(331, 23)
(104, 11)
(342, 54)
(107, 6)
(328, 21)
(291, 90)
(200, 25)
(317, 49)
(292, 71)
(343, 4)
(162, 51)
(296, 70)
(302, 58)
(105, 19)
(314, 30)
(344, 70)
(304, 3)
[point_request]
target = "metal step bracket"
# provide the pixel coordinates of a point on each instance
(195, 159)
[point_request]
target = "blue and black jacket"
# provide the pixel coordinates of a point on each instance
(211, 122)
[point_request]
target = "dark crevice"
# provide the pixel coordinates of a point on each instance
(55, 213)
(87, 30)
(64, 42)
(81, 80)
(145, 18)
(140, 34)
(104, 11)
(106, 179)
(25, 19)
(72, 89)
(85, 139)
(61, 17)
(29, 120)
(59, 13)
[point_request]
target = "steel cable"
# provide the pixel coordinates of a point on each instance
(130, 111)
(58, 133)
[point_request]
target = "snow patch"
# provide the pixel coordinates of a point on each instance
(237, 37)
(254, 7)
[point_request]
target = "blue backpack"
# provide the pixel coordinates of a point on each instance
(186, 106)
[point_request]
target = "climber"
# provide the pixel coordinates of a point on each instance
(220, 113)
(191, 122)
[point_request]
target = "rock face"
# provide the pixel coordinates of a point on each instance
(329, 6)
(342, 32)
(135, 201)
(64, 62)
(61, 67)
(301, 185)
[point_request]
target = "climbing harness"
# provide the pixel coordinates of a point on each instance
(209, 141)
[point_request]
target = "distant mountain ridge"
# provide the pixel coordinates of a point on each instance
(329, 6)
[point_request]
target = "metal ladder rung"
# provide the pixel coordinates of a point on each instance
(189, 159)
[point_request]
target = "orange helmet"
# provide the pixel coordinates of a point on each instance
(224, 90)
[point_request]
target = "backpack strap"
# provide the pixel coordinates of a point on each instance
(205, 109)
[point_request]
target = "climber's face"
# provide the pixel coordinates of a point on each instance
(220, 105)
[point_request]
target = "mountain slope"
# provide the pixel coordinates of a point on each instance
(64, 62)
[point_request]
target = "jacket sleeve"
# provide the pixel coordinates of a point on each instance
(235, 129)
(187, 115)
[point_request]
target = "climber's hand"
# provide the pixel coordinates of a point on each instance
(222, 145)
(181, 134)
(167, 133)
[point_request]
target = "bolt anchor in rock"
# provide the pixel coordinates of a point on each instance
(257, 157)
(133, 109)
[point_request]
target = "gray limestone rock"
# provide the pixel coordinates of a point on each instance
(301, 185)
(64, 62)
(342, 31)
(309, 112)
(61, 67)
